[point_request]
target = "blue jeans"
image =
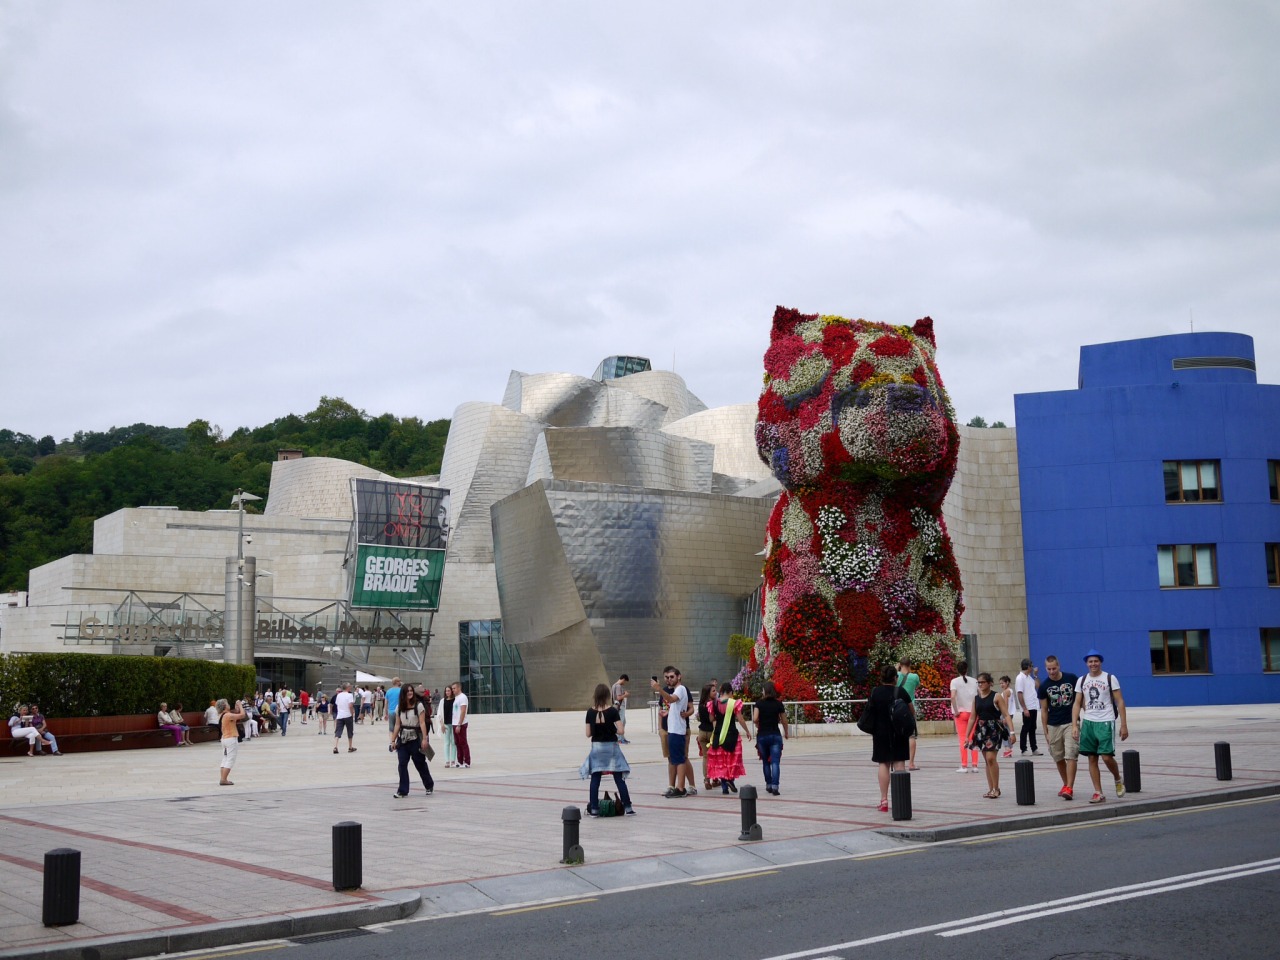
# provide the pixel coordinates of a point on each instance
(769, 746)
(282, 718)
(623, 794)
(411, 751)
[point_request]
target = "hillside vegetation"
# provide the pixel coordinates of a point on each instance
(50, 493)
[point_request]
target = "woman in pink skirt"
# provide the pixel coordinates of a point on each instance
(724, 758)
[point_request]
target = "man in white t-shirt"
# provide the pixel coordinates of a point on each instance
(1093, 722)
(284, 703)
(679, 769)
(344, 708)
(460, 704)
(1027, 702)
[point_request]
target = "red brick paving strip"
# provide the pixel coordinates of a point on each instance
(119, 893)
(191, 855)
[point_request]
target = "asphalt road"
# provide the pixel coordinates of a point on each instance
(1182, 884)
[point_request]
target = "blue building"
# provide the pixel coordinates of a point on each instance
(1151, 519)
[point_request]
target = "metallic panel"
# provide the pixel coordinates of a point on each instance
(666, 388)
(315, 487)
(568, 400)
(486, 458)
(732, 431)
(661, 577)
(624, 456)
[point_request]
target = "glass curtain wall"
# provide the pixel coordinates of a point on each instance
(491, 670)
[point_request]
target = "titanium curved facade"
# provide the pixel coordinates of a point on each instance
(601, 579)
(731, 431)
(316, 487)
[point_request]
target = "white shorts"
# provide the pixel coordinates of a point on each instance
(230, 747)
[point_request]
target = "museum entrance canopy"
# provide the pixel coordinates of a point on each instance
(161, 623)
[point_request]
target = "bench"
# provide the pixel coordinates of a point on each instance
(126, 732)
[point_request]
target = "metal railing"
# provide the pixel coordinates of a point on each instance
(831, 710)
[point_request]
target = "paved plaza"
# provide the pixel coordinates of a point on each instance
(167, 854)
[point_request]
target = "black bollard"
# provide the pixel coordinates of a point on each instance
(573, 852)
(348, 862)
(750, 829)
(1024, 782)
(1222, 759)
(900, 794)
(1131, 772)
(61, 887)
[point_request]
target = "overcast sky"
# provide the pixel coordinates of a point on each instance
(224, 210)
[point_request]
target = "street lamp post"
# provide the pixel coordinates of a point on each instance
(238, 501)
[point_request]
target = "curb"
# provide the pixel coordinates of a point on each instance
(1103, 811)
(396, 905)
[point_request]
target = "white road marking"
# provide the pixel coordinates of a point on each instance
(951, 928)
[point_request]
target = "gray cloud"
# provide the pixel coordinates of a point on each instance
(225, 210)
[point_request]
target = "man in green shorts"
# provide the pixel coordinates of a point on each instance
(1097, 706)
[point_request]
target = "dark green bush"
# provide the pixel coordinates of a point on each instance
(94, 685)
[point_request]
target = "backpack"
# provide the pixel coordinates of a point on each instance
(902, 717)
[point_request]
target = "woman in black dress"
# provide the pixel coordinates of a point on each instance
(988, 726)
(887, 748)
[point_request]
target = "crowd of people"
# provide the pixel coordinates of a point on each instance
(1075, 715)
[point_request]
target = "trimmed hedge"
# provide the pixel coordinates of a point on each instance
(101, 685)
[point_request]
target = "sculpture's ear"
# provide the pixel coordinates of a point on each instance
(785, 320)
(924, 330)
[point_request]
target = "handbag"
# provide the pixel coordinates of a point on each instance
(430, 751)
(608, 806)
(867, 722)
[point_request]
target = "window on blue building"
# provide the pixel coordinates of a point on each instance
(1271, 649)
(1273, 564)
(1191, 481)
(1273, 475)
(1187, 565)
(1179, 651)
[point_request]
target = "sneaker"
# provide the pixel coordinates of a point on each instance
(1036, 753)
(628, 811)
(399, 796)
(623, 740)
(430, 791)
(592, 813)
(335, 749)
(962, 769)
(1065, 793)
(691, 792)
(1097, 798)
(465, 766)
(1119, 788)
(672, 793)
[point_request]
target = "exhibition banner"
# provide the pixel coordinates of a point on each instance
(398, 514)
(397, 578)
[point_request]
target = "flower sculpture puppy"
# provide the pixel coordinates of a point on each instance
(856, 425)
